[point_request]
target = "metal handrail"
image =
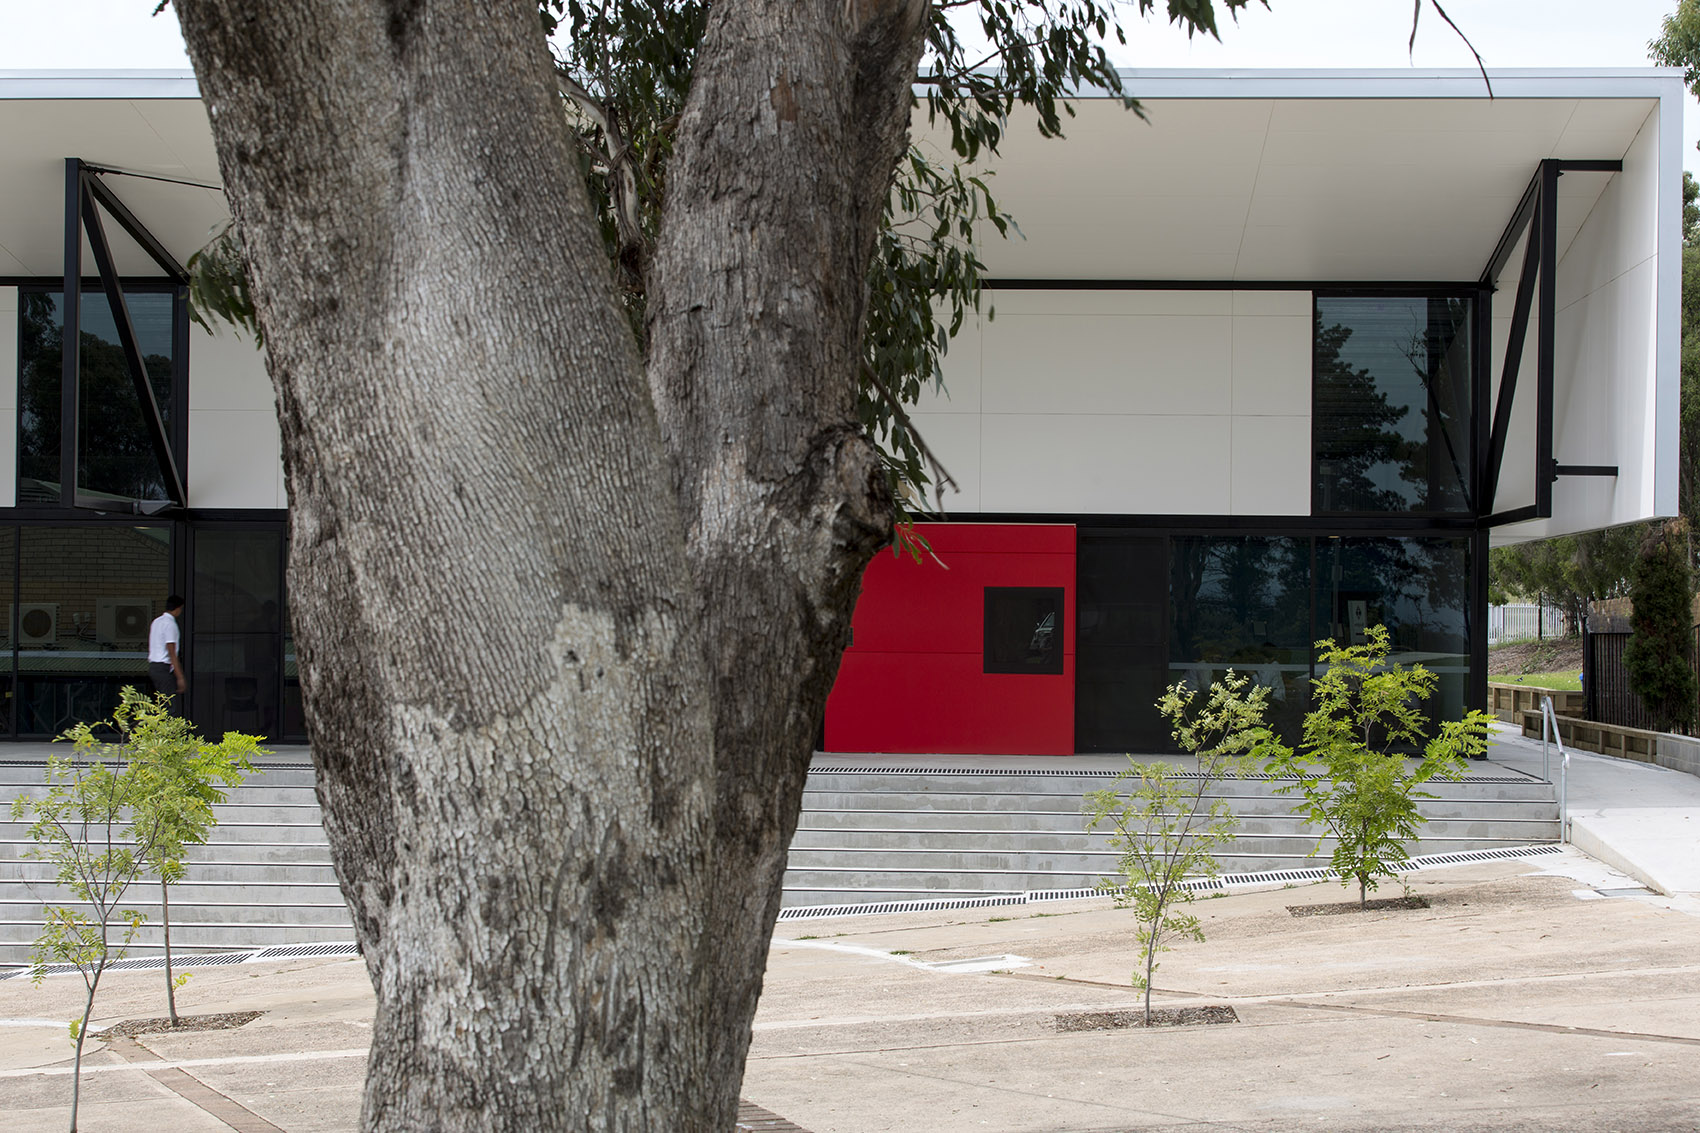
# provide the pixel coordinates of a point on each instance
(1549, 727)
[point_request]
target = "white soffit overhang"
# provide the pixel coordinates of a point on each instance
(145, 121)
(1238, 175)
(1305, 176)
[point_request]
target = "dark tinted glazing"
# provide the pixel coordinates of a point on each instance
(1393, 404)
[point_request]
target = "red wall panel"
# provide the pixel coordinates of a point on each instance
(913, 679)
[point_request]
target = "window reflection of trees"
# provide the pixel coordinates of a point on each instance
(1242, 602)
(115, 450)
(1393, 404)
(1418, 588)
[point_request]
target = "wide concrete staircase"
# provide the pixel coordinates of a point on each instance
(264, 879)
(872, 830)
(894, 831)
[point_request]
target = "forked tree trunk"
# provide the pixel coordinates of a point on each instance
(563, 664)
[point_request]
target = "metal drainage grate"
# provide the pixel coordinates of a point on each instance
(1626, 891)
(295, 951)
(928, 905)
(1265, 876)
(1063, 894)
(1460, 857)
(140, 964)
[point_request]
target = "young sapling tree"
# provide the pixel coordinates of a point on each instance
(178, 779)
(81, 825)
(1350, 769)
(1165, 825)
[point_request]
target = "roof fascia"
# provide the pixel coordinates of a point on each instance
(18, 85)
(1403, 83)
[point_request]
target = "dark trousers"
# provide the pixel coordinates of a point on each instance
(163, 677)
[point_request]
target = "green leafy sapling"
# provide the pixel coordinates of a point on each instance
(1350, 769)
(179, 779)
(1165, 825)
(80, 825)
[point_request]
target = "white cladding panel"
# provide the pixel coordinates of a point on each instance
(1610, 372)
(8, 396)
(235, 451)
(1129, 402)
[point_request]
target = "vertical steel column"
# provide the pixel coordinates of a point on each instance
(70, 339)
(1590, 685)
(1546, 230)
(1477, 692)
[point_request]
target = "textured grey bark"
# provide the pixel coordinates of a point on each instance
(566, 634)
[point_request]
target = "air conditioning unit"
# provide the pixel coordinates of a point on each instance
(121, 619)
(38, 623)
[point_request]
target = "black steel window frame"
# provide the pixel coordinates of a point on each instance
(178, 430)
(87, 199)
(1402, 526)
(21, 519)
(1479, 331)
(992, 660)
(236, 519)
(1537, 215)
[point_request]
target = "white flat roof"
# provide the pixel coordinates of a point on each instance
(1240, 175)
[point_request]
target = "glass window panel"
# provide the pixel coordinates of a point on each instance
(85, 598)
(1419, 588)
(115, 453)
(238, 618)
(1119, 658)
(1023, 629)
(1393, 404)
(1243, 603)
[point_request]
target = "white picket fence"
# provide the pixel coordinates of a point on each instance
(1523, 622)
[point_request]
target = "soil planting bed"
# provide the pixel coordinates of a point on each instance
(1382, 904)
(129, 1028)
(1160, 1017)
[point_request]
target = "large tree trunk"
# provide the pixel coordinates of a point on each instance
(563, 666)
(797, 116)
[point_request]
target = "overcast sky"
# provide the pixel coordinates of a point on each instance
(1291, 33)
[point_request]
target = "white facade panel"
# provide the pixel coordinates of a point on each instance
(235, 450)
(1272, 364)
(234, 459)
(1271, 465)
(1616, 341)
(955, 440)
(8, 396)
(961, 366)
(1106, 463)
(227, 371)
(1131, 402)
(1139, 364)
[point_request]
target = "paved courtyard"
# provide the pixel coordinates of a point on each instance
(1521, 999)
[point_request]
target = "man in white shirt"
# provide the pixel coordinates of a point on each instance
(165, 662)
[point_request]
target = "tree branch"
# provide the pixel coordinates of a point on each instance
(943, 477)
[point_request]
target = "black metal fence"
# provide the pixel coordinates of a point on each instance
(1605, 681)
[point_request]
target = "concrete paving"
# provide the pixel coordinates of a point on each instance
(1530, 995)
(1637, 817)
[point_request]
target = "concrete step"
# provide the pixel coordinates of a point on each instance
(188, 937)
(1063, 798)
(1248, 833)
(15, 835)
(870, 834)
(1059, 819)
(863, 836)
(253, 874)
